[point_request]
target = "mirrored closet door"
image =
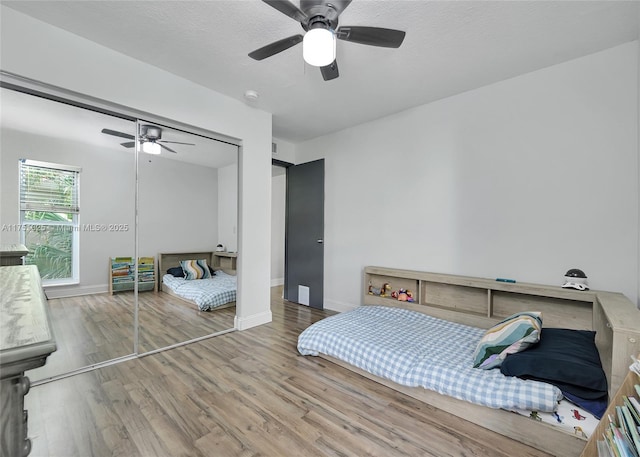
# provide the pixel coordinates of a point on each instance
(187, 227)
(68, 194)
(106, 204)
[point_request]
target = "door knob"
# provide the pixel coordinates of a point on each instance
(320, 241)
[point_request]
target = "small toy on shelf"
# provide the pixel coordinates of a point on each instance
(382, 291)
(403, 295)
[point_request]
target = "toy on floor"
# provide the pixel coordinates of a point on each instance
(403, 295)
(382, 291)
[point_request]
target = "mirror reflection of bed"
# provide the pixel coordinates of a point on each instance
(187, 205)
(186, 309)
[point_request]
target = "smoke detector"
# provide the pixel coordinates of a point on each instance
(251, 95)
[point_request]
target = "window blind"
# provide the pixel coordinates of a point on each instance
(48, 187)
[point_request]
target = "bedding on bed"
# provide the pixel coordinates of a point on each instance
(414, 349)
(569, 417)
(206, 293)
(569, 360)
(178, 272)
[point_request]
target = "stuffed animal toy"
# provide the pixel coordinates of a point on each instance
(405, 295)
(382, 291)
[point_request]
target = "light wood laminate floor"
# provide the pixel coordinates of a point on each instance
(90, 329)
(245, 394)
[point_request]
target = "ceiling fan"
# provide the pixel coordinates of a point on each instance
(319, 18)
(150, 139)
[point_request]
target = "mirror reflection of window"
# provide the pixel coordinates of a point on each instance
(67, 192)
(49, 214)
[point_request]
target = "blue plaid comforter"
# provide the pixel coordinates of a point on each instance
(206, 293)
(414, 349)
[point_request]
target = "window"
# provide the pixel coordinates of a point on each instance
(49, 212)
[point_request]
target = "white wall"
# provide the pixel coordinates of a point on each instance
(228, 207)
(521, 179)
(278, 200)
(36, 50)
(177, 206)
(286, 151)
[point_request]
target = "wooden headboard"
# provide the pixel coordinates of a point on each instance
(172, 259)
(483, 302)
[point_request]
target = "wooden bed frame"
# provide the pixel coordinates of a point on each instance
(484, 302)
(168, 260)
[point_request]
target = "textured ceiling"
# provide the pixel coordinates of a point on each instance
(450, 47)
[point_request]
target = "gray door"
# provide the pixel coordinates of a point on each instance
(304, 234)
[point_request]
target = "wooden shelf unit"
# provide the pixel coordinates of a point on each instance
(626, 389)
(483, 302)
(122, 271)
(225, 261)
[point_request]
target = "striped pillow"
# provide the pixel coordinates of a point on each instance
(514, 334)
(195, 269)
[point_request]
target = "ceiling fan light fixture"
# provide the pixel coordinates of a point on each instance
(319, 47)
(151, 147)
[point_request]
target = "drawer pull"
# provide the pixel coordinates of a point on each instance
(25, 427)
(26, 447)
(24, 385)
(632, 340)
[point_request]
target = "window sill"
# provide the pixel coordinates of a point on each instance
(60, 282)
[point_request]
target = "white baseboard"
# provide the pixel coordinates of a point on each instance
(341, 307)
(74, 291)
(277, 282)
(244, 323)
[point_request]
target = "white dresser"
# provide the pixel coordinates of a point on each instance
(26, 340)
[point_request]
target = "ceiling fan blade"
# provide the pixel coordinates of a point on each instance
(372, 36)
(330, 71)
(167, 148)
(120, 134)
(174, 142)
(287, 8)
(276, 47)
(129, 144)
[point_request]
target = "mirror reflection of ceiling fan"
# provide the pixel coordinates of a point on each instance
(150, 139)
